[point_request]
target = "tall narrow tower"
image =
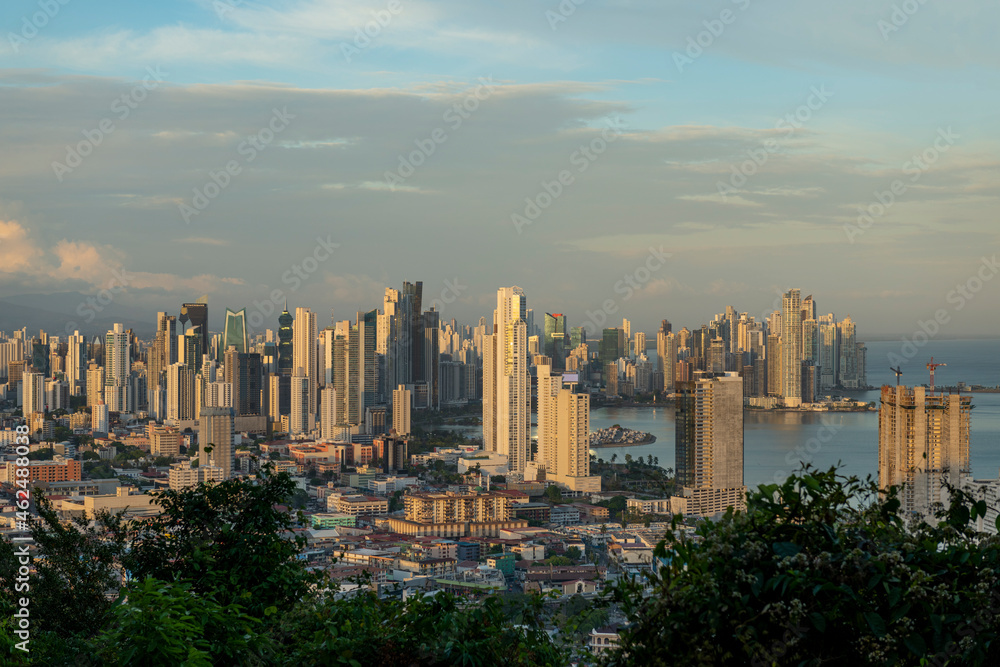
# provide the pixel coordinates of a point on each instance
(506, 389)
(791, 348)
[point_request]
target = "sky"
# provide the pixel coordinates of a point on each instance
(642, 159)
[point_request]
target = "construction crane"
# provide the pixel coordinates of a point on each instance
(931, 367)
(897, 372)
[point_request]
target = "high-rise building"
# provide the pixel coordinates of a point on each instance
(367, 361)
(304, 357)
(553, 345)
(506, 389)
(848, 368)
(563, 431)
(117, 367)
(709, 443)
(791, 348)
(197, 315)
(180, 392)
(923, 441)
(215, 433)
(401, 405)
(34, 393)
(328, 413)
(99, 418)
(245, 373)
(286, 346)
(95, 384)
(639, 344)
(235, 333)
(76, 360)
(298, 419)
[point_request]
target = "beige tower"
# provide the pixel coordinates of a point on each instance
(506, 388)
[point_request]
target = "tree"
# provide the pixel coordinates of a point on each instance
(553, 494)
(628, 459)
(819, 570)
(614, 457)
(42, 454)
(649, 459)
(573, 553)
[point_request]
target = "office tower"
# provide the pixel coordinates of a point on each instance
(76, 368)
(286, 345)
(506, 389)
(861, 360)
(215, 433)
(99, 418)
(279, 397)
(197, 315)
(577, 337)
(414, 293)
(791, 348)
(808, 308)
(235, 332)
(304, 355)
(117, 366)
(57, 394)
(716, 362)
(709, 443)
(164, 440)
(34, 393)
(534, 346)
(328, 413)
(923, 440)
(298, 419)
(190, 352)
(367, 324)
(180, 392)
(553, 344)
(563, 431)
(432, 359)
(608, 351)
(402, 401)
(245, 373)
(848, 377)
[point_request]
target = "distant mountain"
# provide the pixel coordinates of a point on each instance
(62, 312)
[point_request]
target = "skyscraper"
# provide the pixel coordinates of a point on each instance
(553, 345)
(506, 390)
(197, 315)
(76, 363)
(180, 392)
(923, 440)
(117, 367)
(244, 372)
(328, 413)
(563, 431)
(709, 443)
(215, 432)
(304, 356)
(286, 348)
(235, 333)
(298, 419)
(34, 393)
(791, 348)
(401, 404)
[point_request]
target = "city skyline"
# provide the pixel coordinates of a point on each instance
(555, 153)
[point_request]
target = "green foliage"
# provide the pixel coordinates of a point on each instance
(573, 553)
(99, 470)
(819, 570)
(42, 454)
(91, 456)
(553, 494)
(161, 623)
(226, 540)
(163, 461)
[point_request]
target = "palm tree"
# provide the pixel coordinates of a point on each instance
(614, 457)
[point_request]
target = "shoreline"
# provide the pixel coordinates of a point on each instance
(612, 445)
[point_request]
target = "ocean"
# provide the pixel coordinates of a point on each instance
(777, 443)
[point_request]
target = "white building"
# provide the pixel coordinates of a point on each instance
(506, 387)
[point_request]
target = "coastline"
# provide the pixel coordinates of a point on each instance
(611, 445)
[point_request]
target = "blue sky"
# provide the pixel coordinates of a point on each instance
(226, 66)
